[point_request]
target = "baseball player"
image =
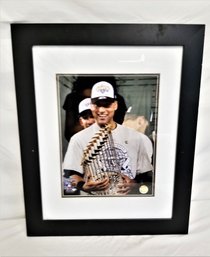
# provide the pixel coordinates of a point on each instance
(85, 114)
(137, 122)
(133, 150)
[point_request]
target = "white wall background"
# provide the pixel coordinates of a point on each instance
(13, 240)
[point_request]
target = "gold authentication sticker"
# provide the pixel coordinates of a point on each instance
(143, 189)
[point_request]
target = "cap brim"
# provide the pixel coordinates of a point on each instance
(102, 98)
(85, 112)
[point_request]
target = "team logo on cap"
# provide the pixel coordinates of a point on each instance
(102, 88)
(87, 105)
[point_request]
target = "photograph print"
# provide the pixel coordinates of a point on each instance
(108, 128)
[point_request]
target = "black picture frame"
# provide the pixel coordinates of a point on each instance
(25, 36)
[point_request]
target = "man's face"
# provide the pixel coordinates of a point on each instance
(103, 111)
(86, 119)
(85, 123)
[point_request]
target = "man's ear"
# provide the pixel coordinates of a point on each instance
(139, 120)
(80, 121)
(115, 105)
(142, 123)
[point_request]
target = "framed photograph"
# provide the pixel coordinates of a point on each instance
(123, 163)
(137, 109)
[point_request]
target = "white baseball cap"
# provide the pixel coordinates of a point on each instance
(84, 105)
(102, 90)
